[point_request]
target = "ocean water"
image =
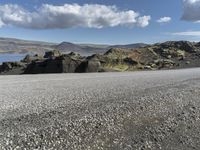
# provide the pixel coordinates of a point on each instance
(11, 57)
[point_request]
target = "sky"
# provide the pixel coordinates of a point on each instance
(101, 21)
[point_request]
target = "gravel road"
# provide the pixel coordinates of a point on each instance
(117, 111)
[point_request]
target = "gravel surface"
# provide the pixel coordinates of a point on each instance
(139, 110)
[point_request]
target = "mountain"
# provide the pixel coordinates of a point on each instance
(11, 45)
(136, 45)
(68, 47)
(82, 49)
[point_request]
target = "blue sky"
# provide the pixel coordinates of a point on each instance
(107, 31)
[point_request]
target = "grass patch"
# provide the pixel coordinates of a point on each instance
(117, 67)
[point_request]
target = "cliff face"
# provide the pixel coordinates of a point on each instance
(168, 55)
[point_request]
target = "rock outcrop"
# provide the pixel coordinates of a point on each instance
(168, 55)
(9, 66)
(28, 58)
(53, 64)
(52, 54)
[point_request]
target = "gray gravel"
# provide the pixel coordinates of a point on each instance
(139, 110)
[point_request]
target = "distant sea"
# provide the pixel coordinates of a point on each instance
(11, 57)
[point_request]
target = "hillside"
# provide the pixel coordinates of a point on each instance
(168, 55)
(11, 45)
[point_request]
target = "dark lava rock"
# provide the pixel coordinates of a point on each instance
(7, 66)
(62, 64)
(28, 58)
(93, 66)
(69, 65)
(168, 55)
(52, 54)
(89, 66)
(130, 61)
(164, 63)
(183, 45)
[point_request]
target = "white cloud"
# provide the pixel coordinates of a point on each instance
(70, 15)
(143, 21)
(191, 1)
(164, 20)
(191, 10)
(187, 33)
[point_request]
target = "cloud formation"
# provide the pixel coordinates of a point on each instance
(70, 15)
(187, 33)
(164, 20)
(191, 10)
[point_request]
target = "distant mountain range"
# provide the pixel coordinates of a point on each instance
(11, 45)
(136, 45)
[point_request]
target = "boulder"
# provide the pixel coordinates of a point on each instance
(74, 54)
(147, 67)
(164, 63)
(92, 65)
(180, 54)
(7, 66)
(52, 54)
(69, 64)
(62, 64)
(169, 57)
(130, 61)
(28, 58)
(187, 62)
(182, 45)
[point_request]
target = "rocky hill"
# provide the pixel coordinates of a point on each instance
(168, 55)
